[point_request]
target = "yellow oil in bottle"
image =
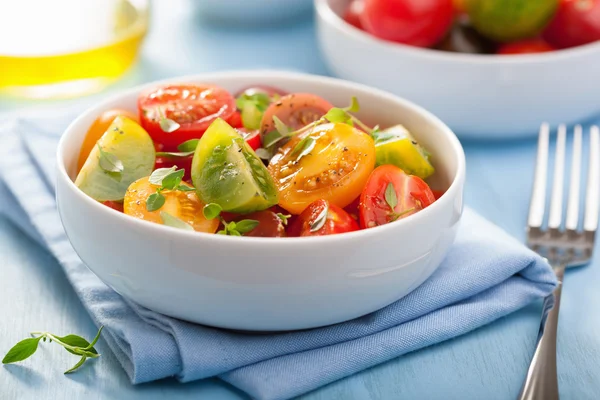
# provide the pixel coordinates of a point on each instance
(66, 48)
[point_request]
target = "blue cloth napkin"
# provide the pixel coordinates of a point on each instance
(486, 275)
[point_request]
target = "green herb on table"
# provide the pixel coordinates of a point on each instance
(72, 343)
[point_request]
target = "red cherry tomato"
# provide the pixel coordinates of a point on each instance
(411, 194)
(295, 110)
(269, 224)
(251, 137)
(184, 163)
(437, 193)
(525, 47)
(114, 205)
(193, 107)
(576, 22)
(235, 120)
(353, 208)
(352, 14)
(322, 218)
(415, 22)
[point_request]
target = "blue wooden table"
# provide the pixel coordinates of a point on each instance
(489, 363)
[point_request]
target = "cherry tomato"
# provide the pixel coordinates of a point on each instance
(251, 137)
(184, 163)
(268, 90)
(352, 14)
(295, 110)
(437, 193)
(99, 126)
(336, 168)
(352, 208)
(322, 218)
(235, 120)
(525, 47)
(183, 205)
(114, 205)
(415, 22)
(193, 107)
(411, 195)
(576, 22)
(269, 224)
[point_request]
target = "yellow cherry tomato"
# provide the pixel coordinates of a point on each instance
(330, 162)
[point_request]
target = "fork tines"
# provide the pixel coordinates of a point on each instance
(556, 235)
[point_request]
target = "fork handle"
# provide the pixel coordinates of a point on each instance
(541, 382)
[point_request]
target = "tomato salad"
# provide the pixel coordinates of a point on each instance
(261, 163)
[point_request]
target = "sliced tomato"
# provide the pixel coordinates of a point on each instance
(99, 126)
(525, 47)
(576, 22)
(193, 106)
(114, 205)
(184, 163)
(235, 120)
(410, 195)
(322, 218)
(269, 224)
(352, 14)
(251, 137)
(353, 208)
(294, 110)
(183, 205)
(335, 169)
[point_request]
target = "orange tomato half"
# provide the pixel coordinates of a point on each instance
(96, 131)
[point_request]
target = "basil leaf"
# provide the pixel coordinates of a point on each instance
(76, 366)
(185, 188)
(354, 106)
(173, 180)
(304, 147)
(283, 129)
(109, 162)
(212, 210)
(390, 196)
(155, 201)
(188, 145)
(337, 115)
(174, 154)
(77, 341)
(158, 175)
(22, 350)
(172, 221)
(168, 125)
(320, 219)
(246, 225)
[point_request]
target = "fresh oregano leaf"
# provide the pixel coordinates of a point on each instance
(284, 218)
(168, 125)
(212, 210)
(177, 154)
(271, 138)
(188, 145)
(185, 188)
(155, 201)
(158, 175)
(304, 147)
(354, 106)
(320, 219)
(246, 225)
(76, 366)
(172, 221)
(173, 180)
(283, 129)
(390, 196)
(77, 341)
(337, 115)
(109, 162)
(22, 350)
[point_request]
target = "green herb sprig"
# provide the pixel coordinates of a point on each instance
(110, 163)
(72, 343)
(166, 124)
(392, 201)
(252, 108)
(213, 210)
(186, 149)
(284, 218)
(320, 219)
(165, 179)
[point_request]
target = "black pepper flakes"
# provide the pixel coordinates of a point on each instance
(345, 149)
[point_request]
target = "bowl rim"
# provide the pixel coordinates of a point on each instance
(153, 228)
(327, 14)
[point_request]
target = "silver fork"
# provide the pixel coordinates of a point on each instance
(562, 247)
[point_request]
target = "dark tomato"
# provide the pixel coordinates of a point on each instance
(414, 22)
(352, 14)
(251, 137)
(322, 218)
(411, 193)
(352, 208)
(576, 22)
(269, 224)
(437, 193)
(268, 90)
(462, 38)
(184, 163)
(114, 205)
(295, 110)
(525, 47)
(235, 120)
(193, 107)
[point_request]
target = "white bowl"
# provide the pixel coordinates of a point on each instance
(267, 283)
(252, 12)
(478, 96)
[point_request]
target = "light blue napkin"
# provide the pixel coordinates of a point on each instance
(486, 275)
